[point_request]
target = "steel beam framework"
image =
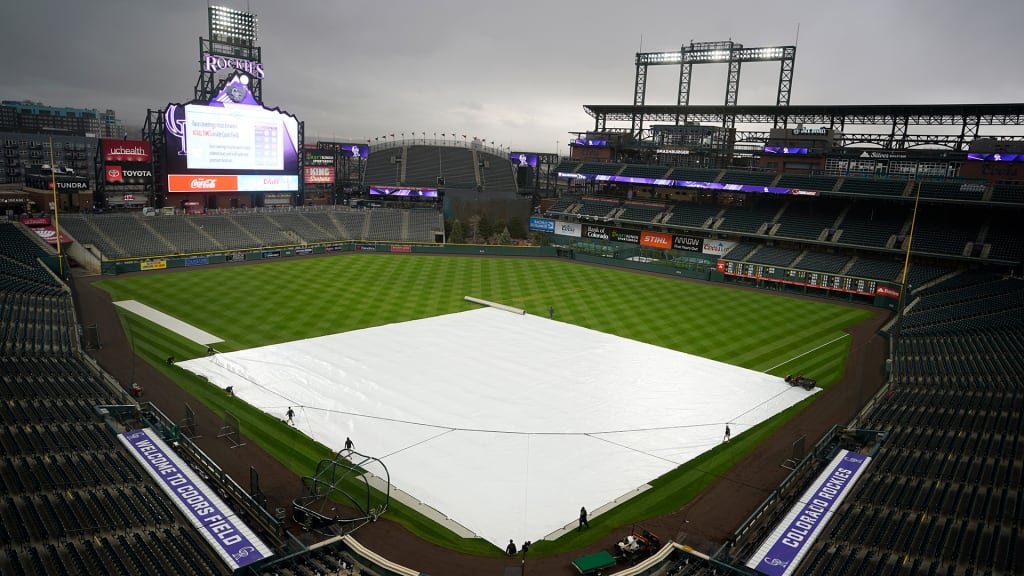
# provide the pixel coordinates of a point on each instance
(727, 52)
(897, 123)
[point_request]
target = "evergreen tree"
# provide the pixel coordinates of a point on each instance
(457, 236)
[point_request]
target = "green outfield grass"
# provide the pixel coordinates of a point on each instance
(267, 303)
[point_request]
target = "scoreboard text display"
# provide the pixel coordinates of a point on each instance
(837, 282)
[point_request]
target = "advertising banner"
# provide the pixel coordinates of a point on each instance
(717, 247)
(611, 234)
(403, 248)
(49, 234)
(152, 264)
(655, 239)
(781, 553)
(687, 243)
(218, 524)
(132, 174)
(119, 151)
(568, 229)
(35, 221)
(319, 174)
(887, 292)
(542, 225)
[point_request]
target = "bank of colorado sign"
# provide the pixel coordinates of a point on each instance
(611, 234)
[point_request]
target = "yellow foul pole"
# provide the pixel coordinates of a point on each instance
(56, 208)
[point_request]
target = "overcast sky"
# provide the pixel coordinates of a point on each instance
(515, 73)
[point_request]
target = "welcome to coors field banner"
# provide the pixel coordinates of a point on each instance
(781, 553)
(233, 541)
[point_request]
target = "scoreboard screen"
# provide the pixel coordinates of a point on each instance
(837, 282)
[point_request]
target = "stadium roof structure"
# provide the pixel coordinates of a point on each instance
(898, 118)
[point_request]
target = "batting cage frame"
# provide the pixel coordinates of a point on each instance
(345, 493)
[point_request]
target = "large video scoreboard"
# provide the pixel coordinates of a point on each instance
(231, 144)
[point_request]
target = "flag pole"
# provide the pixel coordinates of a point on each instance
(56, 209)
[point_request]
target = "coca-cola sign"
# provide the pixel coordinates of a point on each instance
(204, 184)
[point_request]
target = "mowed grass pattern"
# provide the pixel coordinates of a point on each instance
(256, 305)
(268, 303)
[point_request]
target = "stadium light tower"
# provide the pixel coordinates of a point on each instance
(233, 26)
(231, 45)
(727, 52)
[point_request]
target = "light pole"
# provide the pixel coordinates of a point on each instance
(526, 546)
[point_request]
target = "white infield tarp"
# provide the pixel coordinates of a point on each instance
(505, 423)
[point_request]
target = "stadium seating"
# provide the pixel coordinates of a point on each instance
(1004, 237)
(802, 182)
(692, 215)
(380, 170)
(600, 168)
(1009, 193)
(875, 269)
(873, 187)
(568, 166)
(459, 169)
(754, 178)
(808, 218)
(634, 212)
(562, 205)
(823, 262)
(644, 171)
(773, 256)
(750, 220)
(695, 174)
(943, 232)
(496, 174)
(869, 224)
(952, 190)
(597, 208)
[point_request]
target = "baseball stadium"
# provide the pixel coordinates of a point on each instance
(712, 339)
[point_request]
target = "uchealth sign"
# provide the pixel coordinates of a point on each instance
(127, 151)
(655, 239)
(573, 229)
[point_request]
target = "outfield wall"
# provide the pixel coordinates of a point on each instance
(880, 294)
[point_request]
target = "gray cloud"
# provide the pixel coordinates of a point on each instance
(516, 73)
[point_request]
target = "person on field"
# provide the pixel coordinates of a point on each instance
(511, 548)
(583, 518)
(291, 415)
(728, 434)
